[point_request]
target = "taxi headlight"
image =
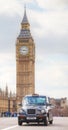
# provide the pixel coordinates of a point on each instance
(21, 111)
(43, 111)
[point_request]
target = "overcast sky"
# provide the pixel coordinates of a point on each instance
(49, 27)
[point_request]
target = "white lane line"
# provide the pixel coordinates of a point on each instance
(8, 128)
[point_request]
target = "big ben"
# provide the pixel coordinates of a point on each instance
(25, 61)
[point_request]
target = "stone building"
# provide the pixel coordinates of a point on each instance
(60, 106)
(7, 101)
(25, 61)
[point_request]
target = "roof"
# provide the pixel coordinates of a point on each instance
(25, 31)
(25, 19)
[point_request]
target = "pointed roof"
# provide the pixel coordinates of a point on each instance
(6, 90)
(25, 27)
(25, 19)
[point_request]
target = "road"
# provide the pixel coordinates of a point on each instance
(60, 123)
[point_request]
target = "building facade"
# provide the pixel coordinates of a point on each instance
(25, 61)
(7, 101)
(60, 106)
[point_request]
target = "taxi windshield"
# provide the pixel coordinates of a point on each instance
(34, 100)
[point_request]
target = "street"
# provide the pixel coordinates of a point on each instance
(10, 123)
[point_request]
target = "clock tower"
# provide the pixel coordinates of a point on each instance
(25, 61)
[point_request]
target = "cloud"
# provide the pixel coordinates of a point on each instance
(52, 4)
(8, 6)
(14, 7)
(55, 93)
(51, 75)
(50, 30)
(54, 22)
(7, 71)
(54, 69)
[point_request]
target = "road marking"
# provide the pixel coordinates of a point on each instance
(8, 128)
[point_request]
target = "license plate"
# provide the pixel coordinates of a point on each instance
(31, 118)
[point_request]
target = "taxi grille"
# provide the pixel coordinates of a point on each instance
(30, 111)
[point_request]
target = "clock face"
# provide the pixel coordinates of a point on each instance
(24, 50)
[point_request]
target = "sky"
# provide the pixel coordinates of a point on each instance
(49, 28)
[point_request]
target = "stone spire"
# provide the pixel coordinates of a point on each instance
(25, 27)
(25, 19)
(6, 91)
